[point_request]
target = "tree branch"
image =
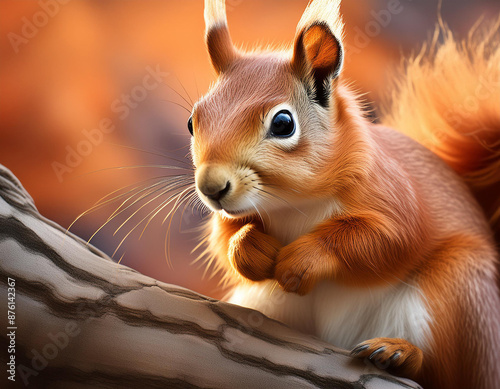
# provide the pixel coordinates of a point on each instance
(83, 321)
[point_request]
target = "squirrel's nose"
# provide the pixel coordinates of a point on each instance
(216, 193)
(213, 181)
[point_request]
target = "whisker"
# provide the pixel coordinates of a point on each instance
(164, 192)
(181, 96)
(117, 212)
(149, 221)
(179, 105)
(199, 206)
(121, 258)
(150, 152)
(190, 197)
(150, 190)
(99, 205)
(179, 201)
(136, 167)
(175, 205)
(278, 186)
(185, 91)
(268, 201)
(161, 206)
(267, 213)
(197, 89)
(165, 180)
(261, 218)
(281, 199)
(202, 207)
(142, 197)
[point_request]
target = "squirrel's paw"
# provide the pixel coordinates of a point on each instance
(253, 253)
(395, 355)
(298, 268)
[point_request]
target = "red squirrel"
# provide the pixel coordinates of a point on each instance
(368, 236)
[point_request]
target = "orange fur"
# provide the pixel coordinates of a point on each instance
(219, 44)
(459, 281)
(381, 209)
(253, 253)
(449, 101)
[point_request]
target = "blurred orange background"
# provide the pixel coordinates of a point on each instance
(67, 67)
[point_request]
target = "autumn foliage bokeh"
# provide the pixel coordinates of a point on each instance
(64, 79)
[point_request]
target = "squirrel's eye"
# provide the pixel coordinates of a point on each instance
(282, 125)
(190, 125)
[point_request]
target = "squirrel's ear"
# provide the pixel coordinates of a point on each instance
(318, 52)
(220, 47)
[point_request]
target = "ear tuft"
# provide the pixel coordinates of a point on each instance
(326, 12)
(220, 46)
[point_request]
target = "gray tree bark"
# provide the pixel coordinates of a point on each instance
(82, 321)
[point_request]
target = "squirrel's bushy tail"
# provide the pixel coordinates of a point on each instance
(449, 100)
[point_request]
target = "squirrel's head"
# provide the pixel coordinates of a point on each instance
(262, 134)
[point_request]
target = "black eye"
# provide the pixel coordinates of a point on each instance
(282, 125)
(190, 125)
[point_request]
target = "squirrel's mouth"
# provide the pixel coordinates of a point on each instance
(236, 213)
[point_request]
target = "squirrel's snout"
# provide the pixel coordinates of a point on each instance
(213, 181)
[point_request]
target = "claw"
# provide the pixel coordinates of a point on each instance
(394, 357)
(358, 349)
(376, 352)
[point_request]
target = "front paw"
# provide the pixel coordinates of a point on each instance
(300, 266)
(252, 253)
(395, 355)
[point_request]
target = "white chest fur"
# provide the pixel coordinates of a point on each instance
(289, 223)
(344, 316)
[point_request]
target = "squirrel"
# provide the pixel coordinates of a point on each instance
(373, 237)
